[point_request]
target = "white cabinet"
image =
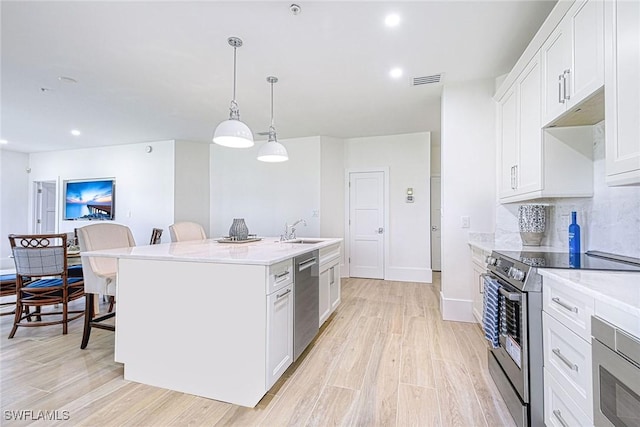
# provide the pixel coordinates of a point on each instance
(566, 335)
(521, 134)
(334, 286)
(478, 256)
(622, 95)
(573, 59)
(535, 163)
(279, 333)
(329, 292)
(280, 306)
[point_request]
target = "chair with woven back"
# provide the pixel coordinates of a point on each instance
(42, 280)
(100, 272)
(184, 231)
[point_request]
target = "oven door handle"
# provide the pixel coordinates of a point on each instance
(511, 296)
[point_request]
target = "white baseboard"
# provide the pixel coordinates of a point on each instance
(458, 310)
(409, 274)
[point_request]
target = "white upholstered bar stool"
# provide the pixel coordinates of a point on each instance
(183, 231)
(100, 273)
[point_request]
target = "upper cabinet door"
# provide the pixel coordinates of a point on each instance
(529, 171)
(587, 68)
(573, 59)
(508, 142)
(556, 62)
(622, 94)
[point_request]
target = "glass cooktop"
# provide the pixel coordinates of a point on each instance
(585, 261)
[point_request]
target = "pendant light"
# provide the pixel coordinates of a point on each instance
(233, 132)
(272, 151)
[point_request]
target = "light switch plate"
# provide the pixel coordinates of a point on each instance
(466, 222)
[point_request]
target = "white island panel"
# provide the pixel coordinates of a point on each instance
(194, 327)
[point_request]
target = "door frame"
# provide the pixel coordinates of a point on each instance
(347, 210)
(431, 178)
(37, 204)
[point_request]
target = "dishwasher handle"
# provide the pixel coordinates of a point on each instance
(307, 263)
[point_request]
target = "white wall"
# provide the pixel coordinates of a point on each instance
(332, 165)
(408, 159)
(468, 186)
(144, 182)
(192, 183)
(266, 195)
(14, 200)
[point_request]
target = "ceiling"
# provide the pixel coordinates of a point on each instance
(149, 71)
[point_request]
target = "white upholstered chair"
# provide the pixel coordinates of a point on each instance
(100, 273)
(183, 231)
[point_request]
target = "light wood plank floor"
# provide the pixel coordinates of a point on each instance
(385, 358)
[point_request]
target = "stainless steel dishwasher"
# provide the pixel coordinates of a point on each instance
(306, 299)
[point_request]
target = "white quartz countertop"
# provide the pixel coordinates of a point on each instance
(267, 251)
(490, 246)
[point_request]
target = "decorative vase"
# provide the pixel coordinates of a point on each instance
(239, 229)
(532, 221)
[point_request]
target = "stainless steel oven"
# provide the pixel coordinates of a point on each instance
(516, 363)
(616, 375)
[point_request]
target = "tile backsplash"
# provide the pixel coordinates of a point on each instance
(609, 221)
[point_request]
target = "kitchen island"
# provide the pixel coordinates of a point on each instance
(207, 318)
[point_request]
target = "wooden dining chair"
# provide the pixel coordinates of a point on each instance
(42, 280)
(184, 231)
(7, 289)
(100, 272)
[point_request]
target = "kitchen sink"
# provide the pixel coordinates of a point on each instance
(305, 241)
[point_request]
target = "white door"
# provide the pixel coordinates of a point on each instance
(436, 216)
(366, 224)
(45, 207)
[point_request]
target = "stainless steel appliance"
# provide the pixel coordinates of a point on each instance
(516, 364)
(306, 301)
(616, 375)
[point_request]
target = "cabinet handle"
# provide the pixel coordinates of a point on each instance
(565, 77)
(561, 89)
(281, 276)
(558, 415)
(332, 276)
(515, 177)
(564, 305)
(564, 359)
(288, 291)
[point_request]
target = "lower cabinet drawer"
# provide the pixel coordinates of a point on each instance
(279, 275)
(568, 358)
(559, 409)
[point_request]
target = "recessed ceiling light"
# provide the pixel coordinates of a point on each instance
(392, 20)
(75, 132)
(65, 79)
(3, 141)
(396, 73)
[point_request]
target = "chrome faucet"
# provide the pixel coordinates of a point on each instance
(290, 230)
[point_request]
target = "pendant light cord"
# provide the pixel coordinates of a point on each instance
(234, 75)
(272, 104)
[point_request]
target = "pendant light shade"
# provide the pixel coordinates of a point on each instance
(233, 132)
(272, 151)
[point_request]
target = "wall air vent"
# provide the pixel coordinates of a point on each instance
(426, 80)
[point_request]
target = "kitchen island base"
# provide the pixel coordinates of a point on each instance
(194, 327)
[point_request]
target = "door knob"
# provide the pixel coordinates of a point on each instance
(434, 228)
(380, 230)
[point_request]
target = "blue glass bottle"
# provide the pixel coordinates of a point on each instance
(574, 235)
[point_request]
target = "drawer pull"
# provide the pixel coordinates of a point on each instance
(564, 359)
(558, 415)
(564, 305)
(288, 291)
(281, 275)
